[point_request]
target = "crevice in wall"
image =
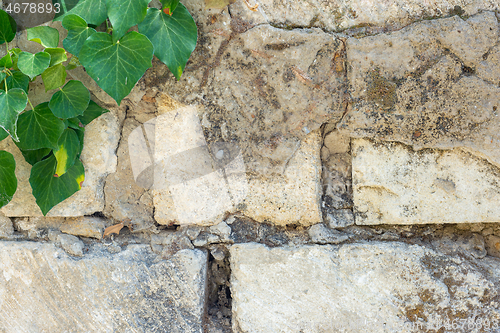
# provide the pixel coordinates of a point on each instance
(219, 299)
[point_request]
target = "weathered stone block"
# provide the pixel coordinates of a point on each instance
(293, 197)
(42, 289)
(6, 227)
(263, 88)
(393, 184)
(125, 199)
(359, 287)
(339, 15)
(85, 226)
(431, 84)
(339, 218)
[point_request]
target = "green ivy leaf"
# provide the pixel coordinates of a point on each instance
(80, 132)
(69, 148)
(46, 36)
(174, 37)
(6, 61)
(8, 27)
(17, 80)
(65, 6)
(124, 14)
(70, 101)
(2, 77)
(73, 63)
(14, 53)
(54, 77)
(3, 134)
(57, 55)
(92, 11)
(78, 32)
(8, 180)
(116, 67)
(170, 5)
(35, 156)
(93, 111)
(12, 103)
(39, 128)
(50, 190)
(73, 123)
(33, 64)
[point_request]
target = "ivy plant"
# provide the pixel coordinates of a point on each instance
(50, 135)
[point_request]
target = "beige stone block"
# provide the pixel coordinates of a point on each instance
(393, 184)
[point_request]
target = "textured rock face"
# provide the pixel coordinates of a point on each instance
(6, 227)
(392, 184)
(208, 194)
(293, 197)
(337, 178)
(262, 88)
(427, 85)
(128, 291)
(84, 226)
(360, 287)
(338, 15)
(125, 199)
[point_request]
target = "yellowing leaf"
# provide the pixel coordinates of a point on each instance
(68, 149)
(62, 158)
(80, 180)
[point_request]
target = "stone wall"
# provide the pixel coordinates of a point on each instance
(321, 166)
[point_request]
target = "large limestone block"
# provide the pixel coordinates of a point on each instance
(338, 15)
(99, 159)
(42, 289)
(291, 198)
(263, 88)
(193, 182)
(393, 184)
(125, 198)
(432, 84)
(360, 287)
(192, 186)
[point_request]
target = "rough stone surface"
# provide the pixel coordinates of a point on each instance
(493, 245)
(198, 182)
(35, 227)
(99, 159)
(359, 287)
(320, 234)
(260, 87)
(168, 243)
(125, 199)
(393, 184)
(129, 291)
(71, 244)
(6, 227)
(339, 218)
(84, 226)
(336, 142)
(337, 182)
(423, 85)
(293, 197)
(338, 15)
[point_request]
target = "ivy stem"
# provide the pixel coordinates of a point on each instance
(32, 108)
(5, 81)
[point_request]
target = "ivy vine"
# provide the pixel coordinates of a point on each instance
(50, 135)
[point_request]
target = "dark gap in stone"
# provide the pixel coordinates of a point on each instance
(219, 300)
